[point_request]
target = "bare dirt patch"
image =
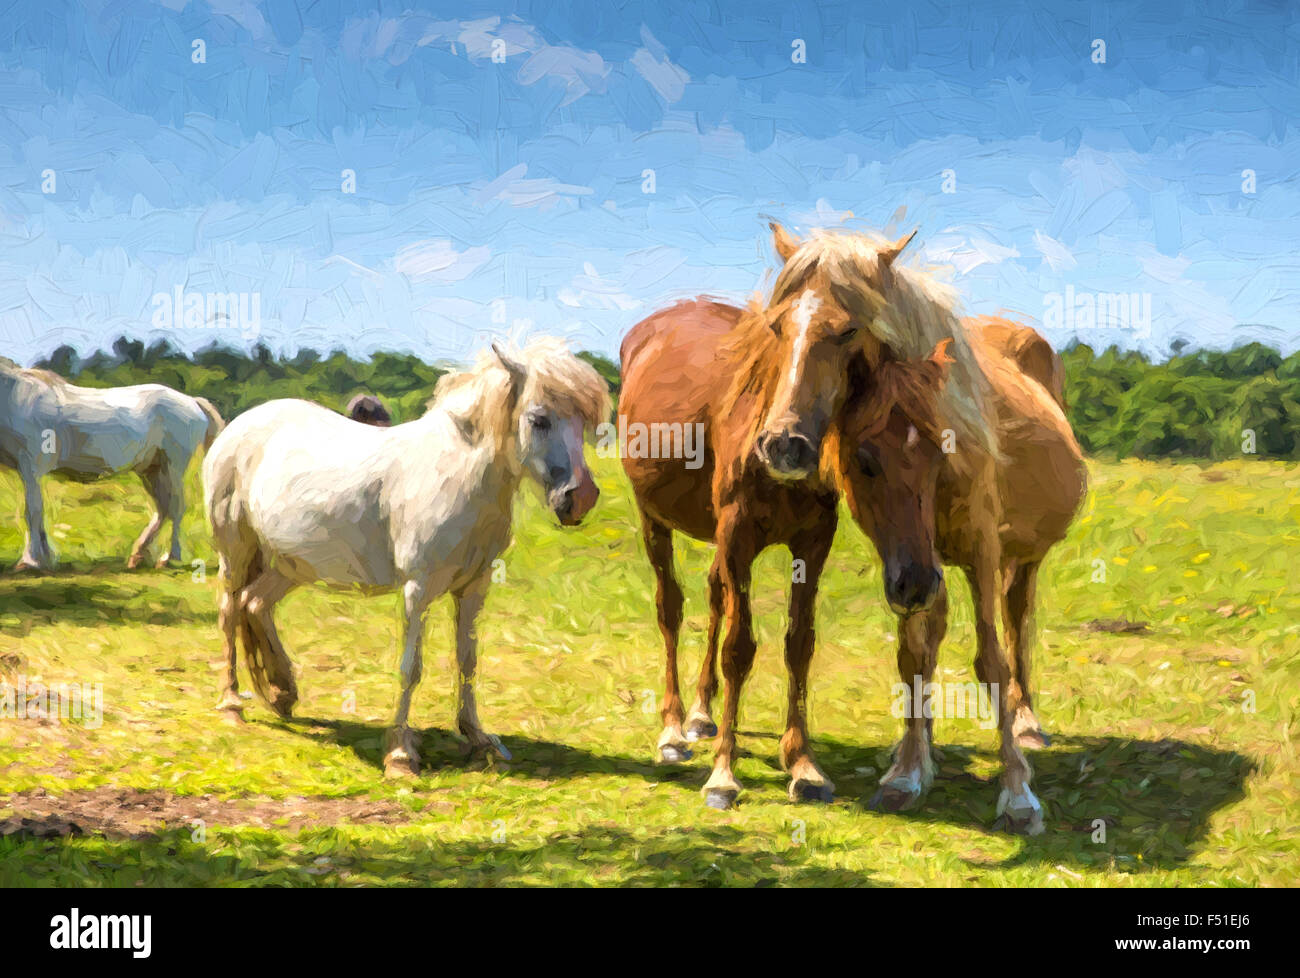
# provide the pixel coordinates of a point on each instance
(127, 813)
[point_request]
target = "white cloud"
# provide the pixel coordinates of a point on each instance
(518, 192)
(1057, 255)
(967, 253)
(652, 61)
(437, 260)
(823, 215)
(590, 291)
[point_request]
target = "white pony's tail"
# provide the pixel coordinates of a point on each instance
(215, 424)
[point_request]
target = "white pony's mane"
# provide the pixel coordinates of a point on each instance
(556, 378)
(9, 368)
(919, 312)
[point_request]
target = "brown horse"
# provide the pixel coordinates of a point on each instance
(1040, 481)
(855, 295)
(738, 376)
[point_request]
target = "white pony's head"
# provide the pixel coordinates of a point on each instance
(542, 398)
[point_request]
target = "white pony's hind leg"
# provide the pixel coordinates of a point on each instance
(36, 550)
(156, 485)
(268, 663)
(175, 508)
(469, 602)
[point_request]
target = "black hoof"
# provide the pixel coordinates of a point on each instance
(720, 798)
(701, 730)
(889, 799)
(807, 791)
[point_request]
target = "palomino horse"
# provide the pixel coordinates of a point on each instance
(49, 425)
(1040, 480)
(704, 366)
(855, 277)
(297, 493)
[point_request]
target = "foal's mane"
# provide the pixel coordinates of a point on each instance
(556, 378)
(918, 312)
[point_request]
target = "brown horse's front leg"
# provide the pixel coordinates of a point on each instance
(1018, 809)
(736, 548)
(912, 772)
(807, 781)
(672, 746)
(699, 722)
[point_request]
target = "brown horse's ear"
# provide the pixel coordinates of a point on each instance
(891, 252)
(939, 359)
(783, 241)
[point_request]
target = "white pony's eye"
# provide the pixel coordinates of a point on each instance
(541, 422)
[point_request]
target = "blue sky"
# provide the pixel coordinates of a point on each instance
(509, 195)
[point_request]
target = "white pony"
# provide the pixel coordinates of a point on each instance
(48, 425)
(297, 493)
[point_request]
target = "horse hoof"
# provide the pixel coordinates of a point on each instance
(701, 728)
(282, 705)
(670, 754)
(809, 791)
(1033, 740)
(498, 748)
(894, 798)
(232, 716)
(1021, 815)
(720, 798)
(401, 767)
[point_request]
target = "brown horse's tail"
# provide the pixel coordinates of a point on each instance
(215, 424)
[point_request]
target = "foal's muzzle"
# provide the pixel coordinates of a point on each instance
(912, 587)
(787, 454)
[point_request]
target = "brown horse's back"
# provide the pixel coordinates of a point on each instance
(673, 371)
(1026, 346)
(1042, 479)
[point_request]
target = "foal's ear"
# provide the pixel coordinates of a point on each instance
(785, 243)
(890, 252)
(939, 360)
(512, 366)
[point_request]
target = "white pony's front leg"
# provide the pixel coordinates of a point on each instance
(403, 758)
(36, 550)
(468, 604)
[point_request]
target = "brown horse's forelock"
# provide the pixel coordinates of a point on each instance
(911, 389)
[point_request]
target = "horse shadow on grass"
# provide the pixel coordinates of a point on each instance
(94, 593)
(443, 750)
(598, 855)
(1108, 801)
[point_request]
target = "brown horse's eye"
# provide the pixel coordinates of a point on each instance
(844, 335)
(869, 461)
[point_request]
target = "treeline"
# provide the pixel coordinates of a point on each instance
(1203, 404)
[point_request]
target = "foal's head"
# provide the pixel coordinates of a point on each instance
(370, 410)
(556, 398)
(888, 462)
(822, 312)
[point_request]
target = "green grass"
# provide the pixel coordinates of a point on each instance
(1150, 731)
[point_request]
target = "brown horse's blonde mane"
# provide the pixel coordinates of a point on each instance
(918, 312)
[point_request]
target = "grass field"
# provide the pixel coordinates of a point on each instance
(1153, 731)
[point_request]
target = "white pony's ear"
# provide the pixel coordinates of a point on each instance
(518, 373)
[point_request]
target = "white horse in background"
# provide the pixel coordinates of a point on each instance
(49, 425)
(297, 493)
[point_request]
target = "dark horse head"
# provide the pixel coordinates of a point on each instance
(369, 409)
(888, 464)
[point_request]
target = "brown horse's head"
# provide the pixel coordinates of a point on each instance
(822, 322)
(887, 462)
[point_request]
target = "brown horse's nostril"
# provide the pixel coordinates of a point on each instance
(788, 453)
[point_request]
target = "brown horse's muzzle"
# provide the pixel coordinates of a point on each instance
(571, 502)
(786, 453)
